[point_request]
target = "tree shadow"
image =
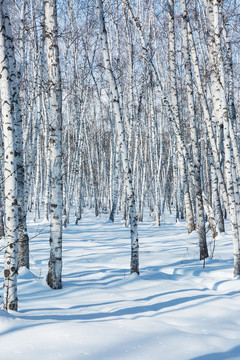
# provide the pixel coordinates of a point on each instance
(233, 354)
(139, 310)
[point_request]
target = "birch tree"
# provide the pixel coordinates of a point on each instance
(194, 136)
(54, 276)
(23, 239)
(9, 105)
(134, 266)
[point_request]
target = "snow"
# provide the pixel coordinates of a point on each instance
(175, 309)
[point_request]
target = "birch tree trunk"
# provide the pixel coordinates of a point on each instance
(23, 243)
(9, 104)
(54, 276)
(2, 232)
(194, 138)
(175, 110)
(220, 108)
(134, 266)
(216, 199)
(115, 185)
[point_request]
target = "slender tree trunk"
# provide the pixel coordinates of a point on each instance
(134, 266)
(220, 109)
(176, 113)
(216, 199)
(54, 277)
(9, 102)
(194, 138)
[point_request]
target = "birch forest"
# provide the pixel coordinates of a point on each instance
(119, 106)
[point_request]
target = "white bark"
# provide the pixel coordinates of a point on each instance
(194, 138)
(54, 277)
(8, 102)
(134, 267)
(218, 90)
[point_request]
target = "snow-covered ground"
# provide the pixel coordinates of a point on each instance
(175, 309)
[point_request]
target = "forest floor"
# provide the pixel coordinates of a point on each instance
(175, 309)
